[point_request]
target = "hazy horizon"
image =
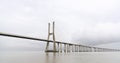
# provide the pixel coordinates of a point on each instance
(86, 22)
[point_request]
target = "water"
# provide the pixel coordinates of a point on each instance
(42, 57)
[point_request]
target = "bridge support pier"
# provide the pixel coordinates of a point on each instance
(94, 49)
(79, 48)
(64, 47)
(84, 49)
(75, 48)
(67, 47)
(60, 47)
(72, 48)
(89, 49)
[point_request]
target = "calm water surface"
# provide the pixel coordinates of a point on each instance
(42, 57)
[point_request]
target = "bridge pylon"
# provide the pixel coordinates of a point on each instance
(48, 38)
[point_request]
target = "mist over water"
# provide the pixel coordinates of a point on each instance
(77, 57)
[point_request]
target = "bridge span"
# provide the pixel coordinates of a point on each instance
(58, 45)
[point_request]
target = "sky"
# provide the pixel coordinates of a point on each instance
(86, 22)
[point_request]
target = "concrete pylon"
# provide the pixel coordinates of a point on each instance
(49, 34)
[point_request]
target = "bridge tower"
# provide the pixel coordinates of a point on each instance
(48, 38)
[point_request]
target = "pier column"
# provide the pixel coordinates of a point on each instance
(79, 48)
(75, 49)
(64, 47)
(98, 49)
(67, 47)
(90, 49)
(94, 49)
(87, 49)
(84, 49)
(60, 47)
(72, 48)
(102, 50)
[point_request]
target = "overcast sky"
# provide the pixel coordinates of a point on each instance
(87, 22)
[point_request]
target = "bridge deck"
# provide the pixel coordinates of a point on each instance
(32, 38)
(44, 40)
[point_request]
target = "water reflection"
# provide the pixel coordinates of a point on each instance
(50, 57)
(41, 57)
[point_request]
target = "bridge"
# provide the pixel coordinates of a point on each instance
(58, 45)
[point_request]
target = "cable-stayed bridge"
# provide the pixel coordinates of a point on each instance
(59, 46)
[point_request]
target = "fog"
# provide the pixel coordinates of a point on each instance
(86, 22)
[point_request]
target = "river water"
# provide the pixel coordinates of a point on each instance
(42, 57)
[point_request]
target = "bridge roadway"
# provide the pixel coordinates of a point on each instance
(75, 47)
(32, 38)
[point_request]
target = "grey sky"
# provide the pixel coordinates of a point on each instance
(88, 22)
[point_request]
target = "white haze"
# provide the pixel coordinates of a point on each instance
(87, 22)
